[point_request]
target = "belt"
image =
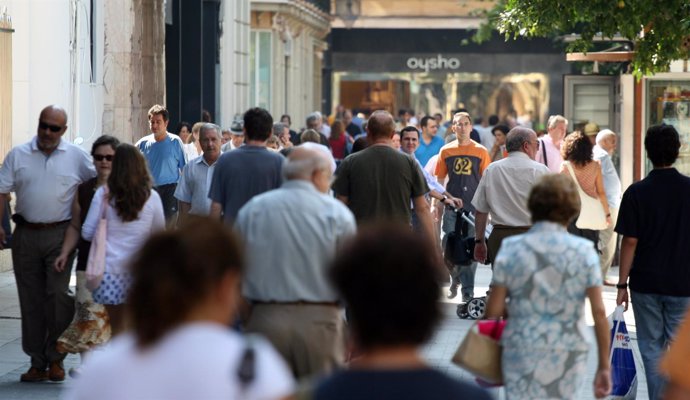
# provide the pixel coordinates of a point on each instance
(510, 227)
(297, 303)
(43, 225)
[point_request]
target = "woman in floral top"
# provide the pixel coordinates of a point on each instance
(547, 273)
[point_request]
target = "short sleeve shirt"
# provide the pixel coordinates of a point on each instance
(193, 186)
(464, 167)
(165, 158)
(425, 151)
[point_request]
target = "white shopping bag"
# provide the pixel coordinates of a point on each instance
(623, 372)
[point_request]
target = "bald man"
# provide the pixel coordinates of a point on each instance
(44, 173)
(293, 303)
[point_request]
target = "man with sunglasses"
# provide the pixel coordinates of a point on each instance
(44, 173)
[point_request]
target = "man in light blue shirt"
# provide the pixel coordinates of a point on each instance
(430, 144)
(192, 191)
(606, 145)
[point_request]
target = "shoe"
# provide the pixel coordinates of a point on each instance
(466, 298)
(452, 290)
(34, 375)
(55, 372)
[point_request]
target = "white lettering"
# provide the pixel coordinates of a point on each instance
(433, 63)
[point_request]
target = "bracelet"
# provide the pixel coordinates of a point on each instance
(621, 286)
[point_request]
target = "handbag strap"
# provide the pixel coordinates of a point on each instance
(543, 151)
(104, 201)
(572, 173)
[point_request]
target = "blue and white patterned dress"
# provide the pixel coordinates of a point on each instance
(547, 272)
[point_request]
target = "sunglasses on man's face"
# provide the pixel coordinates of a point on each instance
(101, 157)
(53, 128)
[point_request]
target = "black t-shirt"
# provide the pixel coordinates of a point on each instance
(656, 211)
(416, 384)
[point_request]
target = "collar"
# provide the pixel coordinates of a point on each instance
(518, 154)
(547, 226)
(201, 159)
(62, 146)
(299, 184)
(664, 171)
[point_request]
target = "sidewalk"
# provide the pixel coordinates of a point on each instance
(13, 361)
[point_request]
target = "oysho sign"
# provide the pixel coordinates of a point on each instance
(433, 63)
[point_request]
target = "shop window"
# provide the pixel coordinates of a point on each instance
(589, 99)
(260, 68)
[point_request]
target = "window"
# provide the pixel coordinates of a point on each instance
(260, 68)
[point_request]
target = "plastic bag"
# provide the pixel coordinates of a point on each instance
(623, 372)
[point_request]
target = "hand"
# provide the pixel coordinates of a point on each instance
(480, 252)
(622, 298)
(609, 221)
(60, 262)
(438, 212)
(456, 202)
(602, 383)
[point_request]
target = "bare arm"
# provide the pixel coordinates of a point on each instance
(497, 302)
(216, 210)
(71, 236)
(602, 379)
(480, 250)
(599, 183)
(628, 246)
(421, 207)
(184, 210)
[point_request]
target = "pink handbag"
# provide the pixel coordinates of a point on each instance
(95, 266)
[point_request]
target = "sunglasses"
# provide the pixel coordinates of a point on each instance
(52, 128)
(101, 157)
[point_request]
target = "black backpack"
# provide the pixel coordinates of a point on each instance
(459, 246)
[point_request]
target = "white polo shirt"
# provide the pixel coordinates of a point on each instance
(193, 186)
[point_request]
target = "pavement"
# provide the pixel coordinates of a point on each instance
(438, 352)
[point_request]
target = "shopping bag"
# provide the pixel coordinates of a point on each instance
(95, 265)
(480, 351)
(623, 372)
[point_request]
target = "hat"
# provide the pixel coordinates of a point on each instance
(591, 129)
(236, 126)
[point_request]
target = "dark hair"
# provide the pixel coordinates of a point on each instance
(105, 140)
(174, 271)
(425, 121)
(409, 129)
(493, 120)
(258, 124)
(129, 182)
(371, 272)
(662, 144)
(181, 125)
(158, 109)
(282, 117)
(577, 149)
(554, 198)
(359, 144)
(206, 116)
(501, 128)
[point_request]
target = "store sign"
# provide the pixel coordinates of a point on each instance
(433, 63)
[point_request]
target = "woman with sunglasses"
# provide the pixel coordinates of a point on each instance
(90, 325)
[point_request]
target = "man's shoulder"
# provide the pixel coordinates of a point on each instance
(145, 139)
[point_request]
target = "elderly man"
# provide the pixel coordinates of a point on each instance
(165, 156)
(236, 136)
(549, 152)
(503, 193)
(192, 191)
(606, 145)
(293, 303)
(44, 173)
(313, 121)
(247, 171)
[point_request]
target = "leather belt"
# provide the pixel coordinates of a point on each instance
(43, 225)
(297, 303)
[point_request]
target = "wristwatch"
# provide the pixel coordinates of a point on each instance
(621, 286)
(443, 198)
(478, 241)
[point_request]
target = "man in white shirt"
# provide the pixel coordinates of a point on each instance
(192, 190)
(606, 145)
(44, 173)
(503, 193)
(549, 152)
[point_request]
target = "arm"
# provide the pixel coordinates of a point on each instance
(628, 246)
(676, 392)
(71, 237)
(3, 235)
(599, 183)
(184, 209)
(216, 209)
(497, 302)
(422, 209)
(602, 379)
(88, 229)
(480, 221)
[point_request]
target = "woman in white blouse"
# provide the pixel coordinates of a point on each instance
(133, 211)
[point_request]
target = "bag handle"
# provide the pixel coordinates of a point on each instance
(104, 201)
(572, 173)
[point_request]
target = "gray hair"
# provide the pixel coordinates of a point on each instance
(207, 127)
(312, 121)
(304, 167)
(517, 137)
(603, 134)
(555, 120)
(279, 128)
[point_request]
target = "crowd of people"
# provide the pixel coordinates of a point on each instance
(272, 263)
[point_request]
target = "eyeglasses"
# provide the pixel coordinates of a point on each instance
(101, 157)
(52, 128)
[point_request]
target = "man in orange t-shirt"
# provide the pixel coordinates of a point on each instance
(463, 161)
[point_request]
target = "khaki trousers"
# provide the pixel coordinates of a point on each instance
(310, 338)
(607, 244)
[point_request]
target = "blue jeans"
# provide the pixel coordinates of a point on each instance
(657, 318)
(463, 274)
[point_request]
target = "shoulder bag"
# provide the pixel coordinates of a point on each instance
(95, 266)
(480, 351)
(592, 215)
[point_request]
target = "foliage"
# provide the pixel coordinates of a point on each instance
(658, 29)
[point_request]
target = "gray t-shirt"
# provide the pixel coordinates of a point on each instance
(379, 182)
(242, 174)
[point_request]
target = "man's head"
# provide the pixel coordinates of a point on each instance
(557, 125)
(380, 126)
(439, 118)
(227, 135)
(607, 140)
(52, 124)
(524, 140)
(210, 140)
(429, 126)
(662, 144)
(409, 137)
(493, 120)
(309, 165)
(281, 131)
(285, 119)
(257, 124)
(591, 130)
(158, 120)
(462, 127)
(313, 121)
(347, 117)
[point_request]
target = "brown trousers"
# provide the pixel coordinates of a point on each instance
(45, 302)
(499, 233)
(310, 338)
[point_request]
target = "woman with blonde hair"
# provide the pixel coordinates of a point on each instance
(133, 211)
